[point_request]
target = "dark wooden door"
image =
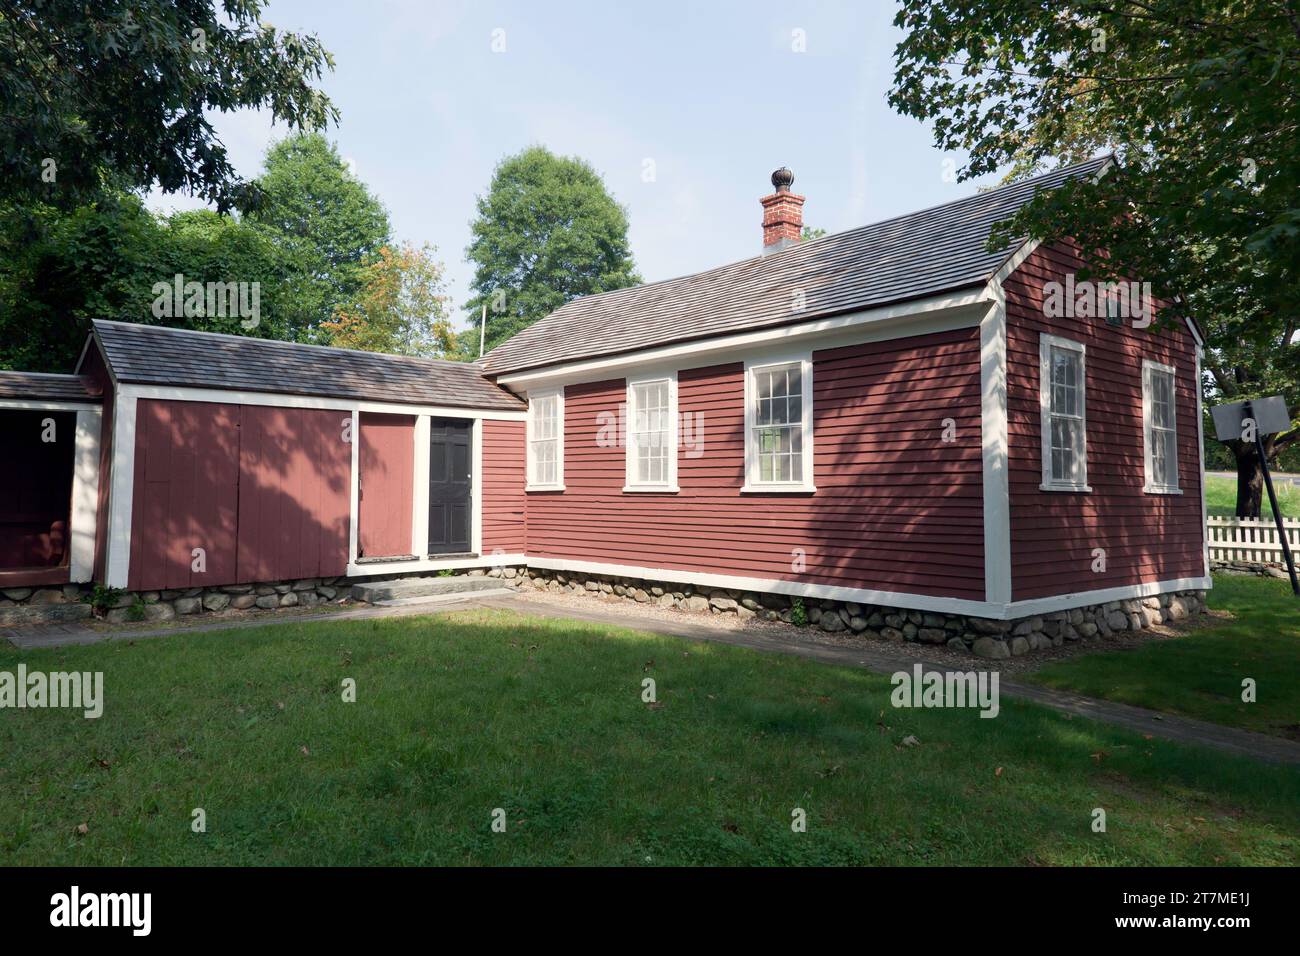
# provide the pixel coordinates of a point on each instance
(449, 486)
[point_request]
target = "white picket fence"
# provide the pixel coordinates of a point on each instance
(1251, 539)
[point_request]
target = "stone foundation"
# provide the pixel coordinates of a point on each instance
(982, 637)
(69, 603)
(1258, 569)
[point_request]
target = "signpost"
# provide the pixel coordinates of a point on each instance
(1251, 421)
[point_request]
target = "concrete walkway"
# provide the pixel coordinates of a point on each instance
(883, 660)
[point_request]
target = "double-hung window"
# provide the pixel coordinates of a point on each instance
(778, 426)
(652, 434)
(1062, 386)
(1160, 427)
(546, 440)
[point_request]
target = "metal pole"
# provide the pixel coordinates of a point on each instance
(482, 331)
(1272, 500)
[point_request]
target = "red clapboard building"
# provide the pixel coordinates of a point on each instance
(896, 415)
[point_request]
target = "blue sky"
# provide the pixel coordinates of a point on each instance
(712, 92)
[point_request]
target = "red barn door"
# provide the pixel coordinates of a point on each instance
(387, 456)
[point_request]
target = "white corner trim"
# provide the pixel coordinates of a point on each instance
(420, 488)
(1200, 447)
(631, 484)
(807, 481)
(83, 517)
(354, 496)
(556, 392)
(995, 445)
(475, 488)
(121, 490)
(1046, 343)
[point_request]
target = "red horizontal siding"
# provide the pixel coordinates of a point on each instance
(1146, 537)
(263, 491)
(895, 509)
(503, 487)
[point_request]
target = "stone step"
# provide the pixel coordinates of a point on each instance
(433, 599)
(29, 615)
(372, 592)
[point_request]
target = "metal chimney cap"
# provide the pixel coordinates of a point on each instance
(782, 179)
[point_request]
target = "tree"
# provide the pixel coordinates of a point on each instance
(402, 307)
(546, 232)
(1200, 99)
(811, 232)
(125, 91)
(324, 219)
(60, 269)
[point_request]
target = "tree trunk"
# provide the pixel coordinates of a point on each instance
(1250, 480)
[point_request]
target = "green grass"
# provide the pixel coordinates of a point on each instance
(1221, 498)
(1200, 674)
(457, 716)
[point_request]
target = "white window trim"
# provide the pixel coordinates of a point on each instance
(1045, 345)
(630, 481)
(752, 483)
(1149, 485)
(558, 484)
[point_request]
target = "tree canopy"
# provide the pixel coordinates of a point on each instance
(1200, 99)
(547, 231)
(125, 91)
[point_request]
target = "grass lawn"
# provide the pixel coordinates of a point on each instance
(1221, 498)
(1200, 675)
(457, 716)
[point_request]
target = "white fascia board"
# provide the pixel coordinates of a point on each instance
(275, 400)
(36, 405)
(891, 320)
(475, 487)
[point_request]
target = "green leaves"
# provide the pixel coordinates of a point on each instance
(1200, 99)
(547, 232)
(95, 89)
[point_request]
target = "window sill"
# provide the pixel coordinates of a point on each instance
(748, 489)
(1155, 490)
(543, 487)
(1067, 488)
(651, 489)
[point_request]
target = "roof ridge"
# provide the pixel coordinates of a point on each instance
(769, 256)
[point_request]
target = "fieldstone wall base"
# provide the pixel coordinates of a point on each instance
(982, 637)
(1245, 568)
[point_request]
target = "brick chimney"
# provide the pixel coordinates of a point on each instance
(782, 214)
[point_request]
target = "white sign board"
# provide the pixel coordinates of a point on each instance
(1270, 416)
